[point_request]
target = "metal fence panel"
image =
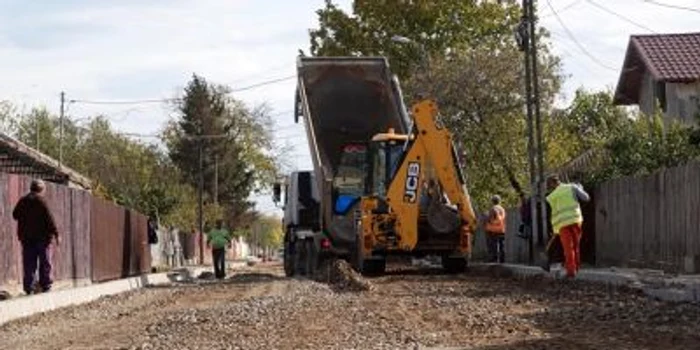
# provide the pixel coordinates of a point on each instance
(119, 240)
(8, 236)
(99, 240)
(107, 242)
(80, 233)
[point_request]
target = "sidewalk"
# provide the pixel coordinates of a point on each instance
(23, 306)
(654, 283)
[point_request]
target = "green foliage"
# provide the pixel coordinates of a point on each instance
(629, 144)
(437, 25)
(266, 232)
(131, 173)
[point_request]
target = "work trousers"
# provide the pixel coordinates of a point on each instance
(33, 253)
(495, 244)
(219, 257)
(570, 237)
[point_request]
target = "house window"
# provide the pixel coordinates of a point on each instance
(660, 93)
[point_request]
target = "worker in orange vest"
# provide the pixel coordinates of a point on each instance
(496, 231)
(567, 218)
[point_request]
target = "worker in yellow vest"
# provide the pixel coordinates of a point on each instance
(496, 231)
(565, 199)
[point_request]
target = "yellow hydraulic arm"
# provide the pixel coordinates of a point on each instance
(431, 142)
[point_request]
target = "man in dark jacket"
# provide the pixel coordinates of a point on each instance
(36, 229)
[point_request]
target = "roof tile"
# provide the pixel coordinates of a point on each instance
(671, 57)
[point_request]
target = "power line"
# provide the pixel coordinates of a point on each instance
(621, 16)
(210, 136)
(164, 100)
(573, 38)
(268, 82)
(125, 102)
(563, 9)
(677, 7)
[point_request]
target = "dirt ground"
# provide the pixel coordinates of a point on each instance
(406, 309)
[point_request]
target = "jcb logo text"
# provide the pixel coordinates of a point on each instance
(411, 189)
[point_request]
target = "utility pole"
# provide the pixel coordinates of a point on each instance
(60, 129)
(539, 145)
(200, 204)
(524, 32)
(216, 180)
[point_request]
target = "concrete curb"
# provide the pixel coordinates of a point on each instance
(667, 289)
(13, 309)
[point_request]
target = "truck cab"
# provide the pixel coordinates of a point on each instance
(303, 239)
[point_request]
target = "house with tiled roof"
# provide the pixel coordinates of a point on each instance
(662, 69)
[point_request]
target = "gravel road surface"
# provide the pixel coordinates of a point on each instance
(406, 309)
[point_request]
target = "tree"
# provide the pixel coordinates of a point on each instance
(628, 144)
(128, 172)
(439, 26)
(232, 138)
(266, 232)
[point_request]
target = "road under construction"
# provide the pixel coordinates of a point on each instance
(407, 308)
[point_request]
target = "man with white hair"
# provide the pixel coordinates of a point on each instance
(36, 229)
(495, 228)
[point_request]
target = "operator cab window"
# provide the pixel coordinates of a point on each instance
(349, 180)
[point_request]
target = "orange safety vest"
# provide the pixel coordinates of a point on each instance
(498, 224)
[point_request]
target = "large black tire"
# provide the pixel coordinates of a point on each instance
(311, 260)
(289, 266)
(300, 257)
(454, 265)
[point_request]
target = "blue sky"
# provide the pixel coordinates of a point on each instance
(128, 49)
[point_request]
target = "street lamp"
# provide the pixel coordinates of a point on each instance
(408, 41)
(425, 63)
(401, 39)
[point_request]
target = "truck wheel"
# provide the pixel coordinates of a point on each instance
(454, 265)
(289, 267)
(299, 257)
(311, 258)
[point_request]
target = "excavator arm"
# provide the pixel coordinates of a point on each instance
(430, 142)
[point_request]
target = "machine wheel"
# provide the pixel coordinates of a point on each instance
(454, 265)
(289, 258)
(311, 260)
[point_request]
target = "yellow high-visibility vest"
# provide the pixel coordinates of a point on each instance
(565, 207)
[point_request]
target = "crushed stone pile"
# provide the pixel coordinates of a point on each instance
(341, 277)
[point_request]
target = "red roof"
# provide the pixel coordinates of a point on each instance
(671, 58)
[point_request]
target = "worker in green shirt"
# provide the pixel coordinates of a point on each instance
(218, 239)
